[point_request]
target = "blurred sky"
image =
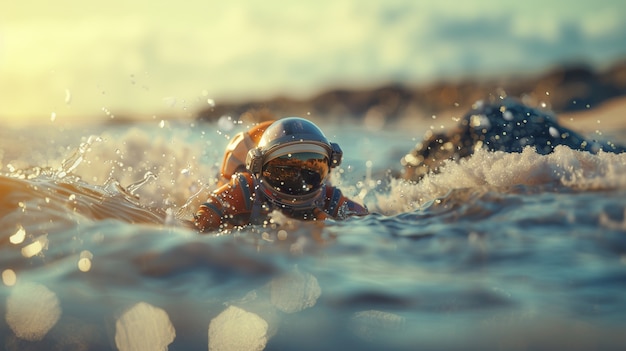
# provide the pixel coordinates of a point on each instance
(69, 59)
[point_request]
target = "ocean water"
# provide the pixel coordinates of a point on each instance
(497, 252)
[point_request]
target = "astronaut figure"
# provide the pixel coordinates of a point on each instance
(282, 165)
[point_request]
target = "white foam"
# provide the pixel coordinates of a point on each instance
(564, 167)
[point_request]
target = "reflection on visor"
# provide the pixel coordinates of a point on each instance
(298, 173)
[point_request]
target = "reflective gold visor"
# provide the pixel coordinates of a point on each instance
(297, 173)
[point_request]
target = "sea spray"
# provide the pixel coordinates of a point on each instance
(76, 157)
(564, 168)
(170, 168)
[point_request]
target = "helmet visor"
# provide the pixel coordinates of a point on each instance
(297, 173)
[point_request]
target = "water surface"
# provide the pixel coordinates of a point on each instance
(500, 251)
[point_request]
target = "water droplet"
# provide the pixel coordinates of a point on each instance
(225, 123)
(162, 124)
(554, 132)
(211, 102)
(68, 97)
(35, 247)
(84, 264)
(19, 236)
(9, 278)
(32, 310)
(84, 261)
(144, 325)
(53, 116)
(282, 234)
(236, 326)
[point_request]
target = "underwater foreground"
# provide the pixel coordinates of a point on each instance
(500, 251)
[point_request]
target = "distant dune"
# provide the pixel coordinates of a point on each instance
(564, 90)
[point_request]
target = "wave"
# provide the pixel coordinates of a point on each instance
(181, 185)
(564, 169)
(98, 239)
(46, 205)
(156, 174)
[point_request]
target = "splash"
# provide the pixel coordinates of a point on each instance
(162, 170)
(565, 168)
(132, 188)
(78, 155)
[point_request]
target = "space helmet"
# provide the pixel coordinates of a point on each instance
(292, 162)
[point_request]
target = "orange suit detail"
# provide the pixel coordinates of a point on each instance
(233, 203)
(237, 150)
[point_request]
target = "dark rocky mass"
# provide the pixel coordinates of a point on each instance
(497, 124)
(563, 89)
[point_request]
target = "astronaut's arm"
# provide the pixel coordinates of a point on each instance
(209, 215)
